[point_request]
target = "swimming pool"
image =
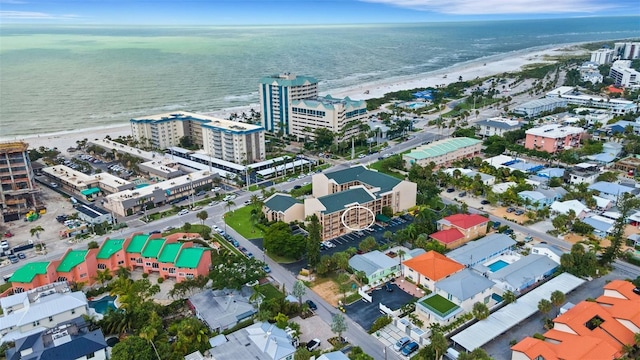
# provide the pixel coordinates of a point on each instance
(497, 265)
(103, 305)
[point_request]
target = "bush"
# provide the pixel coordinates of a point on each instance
(380, 322)
(538, 336)
(145, 275)
(160, 280)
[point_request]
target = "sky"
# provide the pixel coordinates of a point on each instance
(276, 12)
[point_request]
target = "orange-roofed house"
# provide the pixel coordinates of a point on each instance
(33, 275)
(78, 266)
(429, 267)
(459, 229)
(589, 330)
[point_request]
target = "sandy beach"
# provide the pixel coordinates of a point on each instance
(478, 68)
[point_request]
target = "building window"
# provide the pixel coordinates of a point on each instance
(102, 266)
(172, 270)
(73, 311)
(155, 265)
(91, 356)
(36, 323)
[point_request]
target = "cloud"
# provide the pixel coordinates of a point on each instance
(490, 7)
(34, 15)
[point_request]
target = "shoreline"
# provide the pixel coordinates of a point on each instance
(472, 69)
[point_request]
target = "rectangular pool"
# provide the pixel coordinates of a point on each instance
(497, 265)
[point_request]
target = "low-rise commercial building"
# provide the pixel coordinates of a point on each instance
(78, 182)
(497, 126)
(553, 137)
(443, 152)
(616, 106)
(536, 107)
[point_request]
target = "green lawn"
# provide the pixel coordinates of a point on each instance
(240, 221)
(270, 292)
(378, 166)
(439, 304)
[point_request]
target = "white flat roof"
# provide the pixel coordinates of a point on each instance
(208, 121)
(65, 173)
(164, 185)
(511, 315)
(555, 131)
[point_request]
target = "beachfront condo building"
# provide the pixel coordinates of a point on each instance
(341, 116)
(627, 50)
(553, 137)
(18, 191)
(616, 106)
(603, 56)
(277, 92)
(228, 140)
(623, 74)
(533, 108)
(443, 152)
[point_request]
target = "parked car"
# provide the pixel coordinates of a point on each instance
(183, 212)
(462, 194)
(154, 232)
(4, 245)
(22, 256)
(13, 258)
(312, 305)
(266, 269)
(496, 225)
(485, 202)
(168, 228)
(519, 212)
(313, 344)
(508, 232)
(510, 209)
(402, 342)
(216, 228)
(388, 287)
(410, 348)
(450, 190)
(200, 193)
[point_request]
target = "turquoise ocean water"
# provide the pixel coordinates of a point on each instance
(62, 78)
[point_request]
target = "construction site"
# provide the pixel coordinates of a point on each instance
(19, 194)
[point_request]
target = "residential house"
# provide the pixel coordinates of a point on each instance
(583, 173)
(564, 207)
(39, 309)
(77, 266)
(33, 275)
(283, 207)
(501, 188)
(612, 191)
(482, 250)
(454, 296)
(629, 164)
(497, 126)
(260, 341)
(428, 268)
(222, 309)
(551, 251)
(540, 198)
(634, 239)
(589, 330)
(377, 266)
(111, 255)
(523, 273)
(334, 355)
(457, 229)
(610, 151)
(602, 226)
(603, 204)
(93, 215)
(71, 340)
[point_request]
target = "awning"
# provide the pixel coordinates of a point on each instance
(90, 191)
(382, 218)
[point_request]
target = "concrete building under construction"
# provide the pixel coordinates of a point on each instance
(18, 193)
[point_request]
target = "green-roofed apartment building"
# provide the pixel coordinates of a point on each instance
(283, 207)
(354, 197)
(168, 257)
(443, 152)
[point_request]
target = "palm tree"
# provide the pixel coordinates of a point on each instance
(557, 298)
(36, 230)
(123, 272)
(202, 215)
(102, 276)
(509, 297)
(544, 306)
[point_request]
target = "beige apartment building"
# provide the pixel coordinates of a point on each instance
(228, 140)
(336, 115)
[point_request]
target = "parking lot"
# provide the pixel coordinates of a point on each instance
(365, 313)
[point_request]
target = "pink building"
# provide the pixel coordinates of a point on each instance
(553, 137)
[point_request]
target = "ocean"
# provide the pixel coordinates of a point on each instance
(64, 78)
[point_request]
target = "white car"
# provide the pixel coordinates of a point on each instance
(4, 244)
(216, 189)
(217, 229)
(361, 156)
(183, 212)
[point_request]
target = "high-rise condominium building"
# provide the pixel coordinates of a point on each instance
(277, 92)
(228, 140)
(18, 190)
(337, 115)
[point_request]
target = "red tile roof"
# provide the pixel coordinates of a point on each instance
(466, 221)
(433, 265)
(447, 236)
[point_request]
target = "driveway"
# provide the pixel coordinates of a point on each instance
(365, 313)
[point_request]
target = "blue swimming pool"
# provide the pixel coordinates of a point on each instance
(497, 265)
(103, 305)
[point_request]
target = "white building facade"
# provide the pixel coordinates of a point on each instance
(277, 92)
(616, 106)
(603, 56)
(336, 115)
(623, 75)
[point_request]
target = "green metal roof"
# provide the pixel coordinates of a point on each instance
(297, 81)
(72, 259)
(152, 249)
(137, 243)
(90, 191)
(110, 247)
(383, 218)
(27, 272)
(190, 257)
(169, 253)
(281, 202)
(338, 201)
(441, 147)
(360, 173)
